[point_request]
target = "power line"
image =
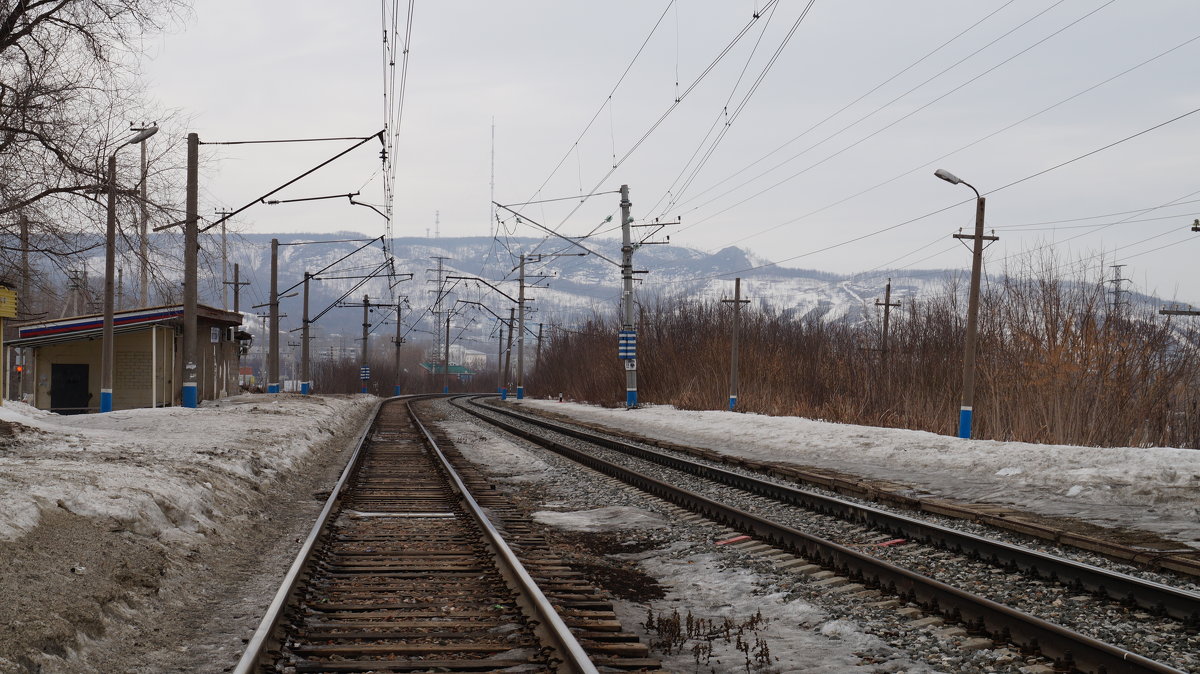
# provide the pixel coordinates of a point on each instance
(860, 98)
(671, 108)
(911, 113)
(959, 203)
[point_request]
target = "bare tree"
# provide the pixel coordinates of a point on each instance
(68, 89)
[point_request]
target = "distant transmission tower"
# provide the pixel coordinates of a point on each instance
(1120, 303)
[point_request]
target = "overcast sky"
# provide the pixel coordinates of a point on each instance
(872, 95)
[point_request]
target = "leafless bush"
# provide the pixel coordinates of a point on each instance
(1055, 364)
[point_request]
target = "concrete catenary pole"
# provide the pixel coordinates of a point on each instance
(24, 302)
(237, 288)
(737, 325)
(500, 359)
(446, 358)
(399, 343)
(273, 337)
(521, 331)
(627, 325)
(190, 395)
(537, 357)
(144, 237)
(967, 407)
(110, 251)
(887, 305)
(366, 326)
(512, 322)
(305, 343)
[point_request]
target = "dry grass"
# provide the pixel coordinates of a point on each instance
(1054, 365)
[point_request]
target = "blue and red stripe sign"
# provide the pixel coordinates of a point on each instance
(96, 322)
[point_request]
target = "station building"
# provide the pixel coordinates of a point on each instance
(62, 358)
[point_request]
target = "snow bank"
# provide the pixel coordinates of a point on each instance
(1155, 489)
(168, 472)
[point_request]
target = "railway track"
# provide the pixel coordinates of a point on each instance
(404, 572)
(777, 522)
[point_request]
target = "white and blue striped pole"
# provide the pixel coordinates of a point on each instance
(628, 328)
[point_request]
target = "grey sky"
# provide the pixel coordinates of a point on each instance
(299, 68)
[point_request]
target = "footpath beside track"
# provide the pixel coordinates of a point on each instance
(977, 614)
(404, 572)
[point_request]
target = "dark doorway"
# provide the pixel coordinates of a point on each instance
(69, 388)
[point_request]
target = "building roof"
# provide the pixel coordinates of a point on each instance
(90, 326)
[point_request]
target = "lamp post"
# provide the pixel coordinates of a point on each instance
(966, 409)
(110, 244)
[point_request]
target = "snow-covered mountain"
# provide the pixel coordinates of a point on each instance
(568, 287)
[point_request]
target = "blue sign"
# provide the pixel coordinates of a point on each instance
(364, 373)
(627, 344)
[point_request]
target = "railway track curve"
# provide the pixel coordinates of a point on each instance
(1070, 649)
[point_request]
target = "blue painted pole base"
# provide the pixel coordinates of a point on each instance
(305, 388)
(105, 400)
(503, 393)
(364, 389)
(964, 423)
(732, 402)
(191, 396)
(631, 398)
(272, 388)
(520, 393)
(396, 390)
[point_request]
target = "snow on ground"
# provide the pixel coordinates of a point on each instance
(1154, 489)
(600, 519)
(165, 472)
(799, 635)
(121, 532)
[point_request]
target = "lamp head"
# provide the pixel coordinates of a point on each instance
(143, 135)
(947, 176)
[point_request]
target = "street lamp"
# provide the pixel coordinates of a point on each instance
(110, 244)
(966, 408)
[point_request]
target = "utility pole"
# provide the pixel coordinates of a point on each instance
(737, 302)
(537, 358)
(446, 360)
(24, 299)
(273, 338)
(364, 369)
(190, 248)
(237, 288)
(512, 321)
(224, 260)
(521, 331)
(144, 233)
(437, 305)
(399, 341)
(967, 407)
(627, 342)
(305, 343)
(500, 360)
(887, 305)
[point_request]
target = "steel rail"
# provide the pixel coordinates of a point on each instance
(259, 645)
(1067, 647)
(1171, 601)
(550, 625)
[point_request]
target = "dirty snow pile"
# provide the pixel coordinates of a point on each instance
(1147, 488)
(168, 472)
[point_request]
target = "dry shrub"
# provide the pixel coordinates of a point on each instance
(1055, 364)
